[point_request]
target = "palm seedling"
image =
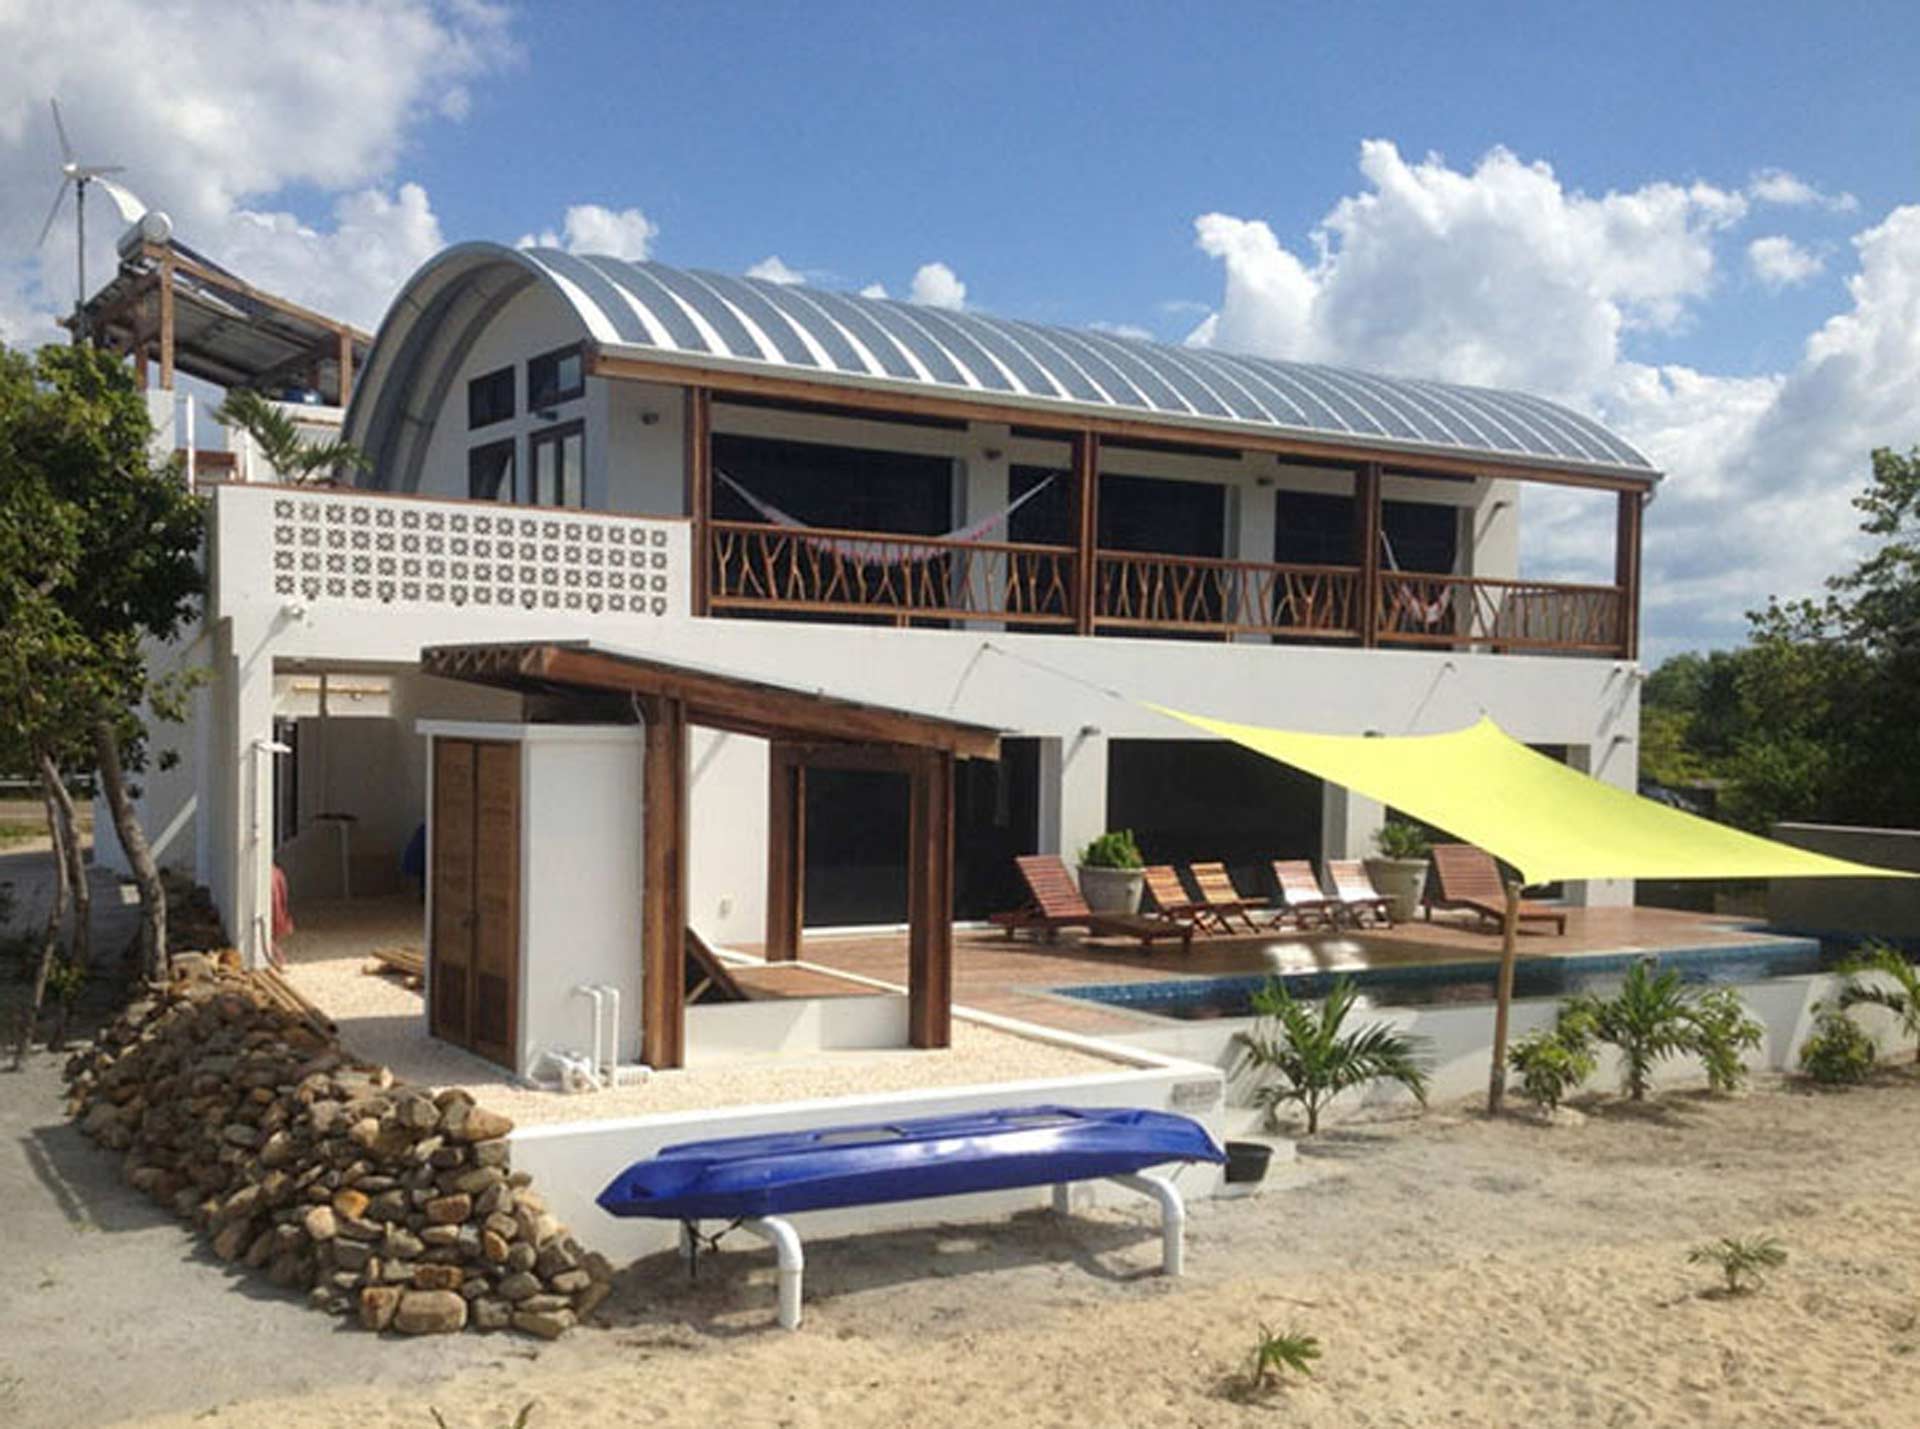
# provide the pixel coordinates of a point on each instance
(1312, 1058)
(1740, 1261)
(1902, 999)
(1274, 1354)
(1723, 1030)
(279, 440)
(1647, 1021)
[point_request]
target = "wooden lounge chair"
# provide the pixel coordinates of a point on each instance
(1301, 894)
(1467, 879)
(1170, 896)
(1355, 894)
(1057, 904)
(1217, 890)
(708, 979)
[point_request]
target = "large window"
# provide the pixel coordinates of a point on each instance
(490, 472)
(554, 377)
(556, 457)
(490, 398)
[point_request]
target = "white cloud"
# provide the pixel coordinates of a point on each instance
(590, 228)
(214, 154)
(1781, 263)
(773, 270)
(1133, 330)
(935, 285)
(874, 290)
(1501, 275)
(1778, 186)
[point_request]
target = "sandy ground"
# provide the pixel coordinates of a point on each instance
(381, 1020)
(1455, 1272)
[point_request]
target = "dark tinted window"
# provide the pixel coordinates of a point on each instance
(490, 472)
(557, 459)
(490, 398)
(557, 376)
(1311, 528)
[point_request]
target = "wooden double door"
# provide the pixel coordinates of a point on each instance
(473, 977)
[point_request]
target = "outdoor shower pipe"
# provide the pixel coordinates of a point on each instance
(598, 993)
(612, 1073)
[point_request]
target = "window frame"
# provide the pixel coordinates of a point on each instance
(511, 493)
(557, 356)
(474, 423)
(556, 435)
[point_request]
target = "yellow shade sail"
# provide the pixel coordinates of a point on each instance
(1547, 821)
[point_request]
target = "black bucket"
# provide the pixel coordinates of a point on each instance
(1247, 1162)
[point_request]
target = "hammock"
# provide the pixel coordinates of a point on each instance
(885, 552)
(1429, 614)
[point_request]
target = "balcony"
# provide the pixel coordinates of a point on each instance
(757, 569)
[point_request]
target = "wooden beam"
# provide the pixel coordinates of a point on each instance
(930, 902)
(1366, 534)
(1626, 571)
(1086, 530)
(166, 322)
(1047, 414)
(786, 851)
(663, 895)
(345, 363)
(1503, 1001)
(698, 421)
(226, 282)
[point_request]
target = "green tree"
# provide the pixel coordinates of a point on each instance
(99, 559)
(278, 438)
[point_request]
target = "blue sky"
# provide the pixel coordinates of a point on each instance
(1700, 223)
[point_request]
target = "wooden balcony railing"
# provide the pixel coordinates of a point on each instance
(1148, 591)
(756, 568)
(1419, 609)
(821, 571)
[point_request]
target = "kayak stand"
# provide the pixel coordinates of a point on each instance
(790, 1256)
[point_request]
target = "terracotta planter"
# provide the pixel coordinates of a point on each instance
(1401, 881)
(1112, 890)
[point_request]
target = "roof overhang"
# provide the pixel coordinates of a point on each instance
(715, 698)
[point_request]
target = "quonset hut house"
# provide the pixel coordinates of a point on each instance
(774, 572)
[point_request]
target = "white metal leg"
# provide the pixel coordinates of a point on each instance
(1063, 1198)
(1173, 1218)
(792, 1261)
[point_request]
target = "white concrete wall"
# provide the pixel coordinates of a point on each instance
(573, 1162)
(728, 1032)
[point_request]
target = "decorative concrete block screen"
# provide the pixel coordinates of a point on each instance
(373, 550)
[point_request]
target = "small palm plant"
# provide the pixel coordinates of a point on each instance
(1647, 1021)
(1902, 999)
(1274, 1354)
(1553, 1061)
(279, 440)
(1723, 1030)
(1740, 1261)
(1315, 1059)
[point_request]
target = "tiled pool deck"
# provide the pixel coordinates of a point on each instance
(1018, 978)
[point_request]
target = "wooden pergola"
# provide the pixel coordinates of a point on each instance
(806, 728)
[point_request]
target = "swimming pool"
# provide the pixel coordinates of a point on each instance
(1447, 984)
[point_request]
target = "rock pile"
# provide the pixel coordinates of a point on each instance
(381, 1200)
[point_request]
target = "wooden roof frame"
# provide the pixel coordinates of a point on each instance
(713, 698)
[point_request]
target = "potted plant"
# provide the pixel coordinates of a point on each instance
(1111, 876)
(1400, 871)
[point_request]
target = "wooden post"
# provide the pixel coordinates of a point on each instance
(1086, 529)
(345, 362)
(1366, 529)
(166, 323)
(786, 852)
(1626, 571)
(930, 901)
(1503, 1002)
(698, 416)
(663, 905)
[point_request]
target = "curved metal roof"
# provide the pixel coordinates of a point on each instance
(649, 310)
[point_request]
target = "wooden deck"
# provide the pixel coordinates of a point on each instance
(1016, 978)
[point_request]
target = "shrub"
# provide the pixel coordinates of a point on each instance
(1315, 1061)
(1740, 1261)
(1902, 999)
(1647, 1021)
(1397, 838)
(1554, 1061)
(1722, 1030)
(1275, 1354)
(1839, 1053)
(1113, 850)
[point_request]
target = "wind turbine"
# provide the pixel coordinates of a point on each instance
(79, 175)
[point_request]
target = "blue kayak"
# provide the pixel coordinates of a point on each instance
(746, 1177)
